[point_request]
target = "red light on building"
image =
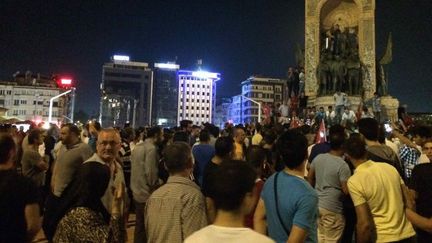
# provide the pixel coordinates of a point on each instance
(66, 82)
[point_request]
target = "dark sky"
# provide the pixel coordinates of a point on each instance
(234, 37)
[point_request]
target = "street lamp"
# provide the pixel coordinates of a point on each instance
(56, 97)
(259, 106)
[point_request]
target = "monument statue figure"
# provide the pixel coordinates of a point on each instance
(353, 65)
(323, 74)
(338, 72)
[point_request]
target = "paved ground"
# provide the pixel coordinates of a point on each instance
(40, 238)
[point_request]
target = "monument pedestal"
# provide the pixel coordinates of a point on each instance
(325, 101)
(389, 107)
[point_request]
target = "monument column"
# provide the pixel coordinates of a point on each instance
(367, 45)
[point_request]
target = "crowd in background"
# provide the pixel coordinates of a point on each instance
(287, 179)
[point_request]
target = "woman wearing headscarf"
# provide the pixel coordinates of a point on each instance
(88, 220)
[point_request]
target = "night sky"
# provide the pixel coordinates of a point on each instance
(234, 37)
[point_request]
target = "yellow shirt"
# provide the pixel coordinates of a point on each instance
(238, 151)
(379, 185)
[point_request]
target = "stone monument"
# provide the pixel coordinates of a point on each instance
(340, 53)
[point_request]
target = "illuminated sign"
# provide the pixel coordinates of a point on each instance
(204, 74)
(121, 58)
(167, 66)
(66, 81)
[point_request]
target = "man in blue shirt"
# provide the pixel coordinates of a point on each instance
(288, 206)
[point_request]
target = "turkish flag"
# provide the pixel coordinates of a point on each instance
(321, 135)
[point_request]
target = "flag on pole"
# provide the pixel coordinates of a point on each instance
(321, 135)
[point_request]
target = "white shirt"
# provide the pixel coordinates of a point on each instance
(219, 234)
(350, 116)
(284, 110)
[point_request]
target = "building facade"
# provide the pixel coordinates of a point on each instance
(127, 89)
(165, 95)
(27, 97)
(263, 90)
(197, 96)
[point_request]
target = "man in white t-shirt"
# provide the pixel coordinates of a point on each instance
(231, 188)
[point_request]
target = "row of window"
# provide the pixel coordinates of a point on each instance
(198, 86)
(254, 87)
(197, 100)
(198, 93)
(29, 92)
(197, 108)
(24, 102)
(192, 78)
(194, 115)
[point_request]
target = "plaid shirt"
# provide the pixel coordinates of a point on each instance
(409, 157)
(175, 211)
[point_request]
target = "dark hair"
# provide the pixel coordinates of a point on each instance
(181, 136)
(422, 131)
(292, 147)
(269, 136)
(7, 144)
(34, 135)
(229, 184)
(255, 155)
(185, 123)
(224, 146)
(177, 157)
(72, 129)
(96, 125)
(355, 146)
(92, 179)
(153, 131)
(368, 127)
(204, 136)
(336, 136)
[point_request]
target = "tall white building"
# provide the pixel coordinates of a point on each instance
(263, 90)
(197, 96)
(28, 96)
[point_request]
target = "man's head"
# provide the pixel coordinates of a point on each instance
(421, 134)
(35, 137)
(330, 108)
(186, 125)
(355, 148)
(155, 133)
(239, 135)
(427, 149)
(369, 128)
(195, 130)
(69, 134)
(232, 187)
(204, 136)
(292, 147)
(7, 149)
(336, 137)
(108, 144)
(178, 158)
(224, 147)
(256, 156)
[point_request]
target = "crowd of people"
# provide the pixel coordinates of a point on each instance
(270, 182)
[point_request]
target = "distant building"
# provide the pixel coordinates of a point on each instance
(165, 94)
(197, 96)
(127, 89)
(221, 114)
(264, 90)
(27, 97)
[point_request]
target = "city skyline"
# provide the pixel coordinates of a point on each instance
(235, 38)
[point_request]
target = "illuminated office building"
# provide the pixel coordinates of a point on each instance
(127, 89)
(165, 94)
(197, 96)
